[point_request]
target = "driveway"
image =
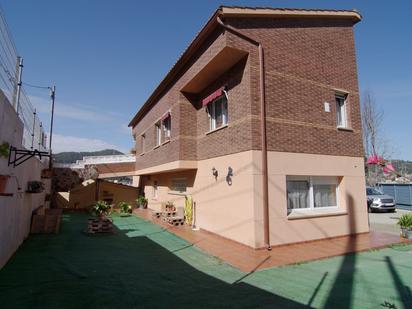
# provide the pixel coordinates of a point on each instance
(386, 221)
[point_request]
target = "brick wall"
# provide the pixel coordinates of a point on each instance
(305, 61)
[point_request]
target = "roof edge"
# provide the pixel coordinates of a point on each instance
(210, 25)
(235, 11)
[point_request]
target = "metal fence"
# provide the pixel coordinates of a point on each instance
(401, 192)
(34, 136)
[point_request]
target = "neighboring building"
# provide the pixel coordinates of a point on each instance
(115, 168)
(200, 132)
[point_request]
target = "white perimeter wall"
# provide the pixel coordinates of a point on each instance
(16, 211)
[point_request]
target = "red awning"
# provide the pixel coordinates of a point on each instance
(165, 116)
(213, 96)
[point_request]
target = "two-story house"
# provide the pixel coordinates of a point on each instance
(259, 121)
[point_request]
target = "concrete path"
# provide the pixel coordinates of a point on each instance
(386, 222)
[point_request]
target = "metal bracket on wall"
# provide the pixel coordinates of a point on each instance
(19, 156)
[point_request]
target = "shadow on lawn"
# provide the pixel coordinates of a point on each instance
(341, 294)
(403, 290)
(73, 270)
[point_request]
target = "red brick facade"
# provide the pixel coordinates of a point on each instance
(306, 60)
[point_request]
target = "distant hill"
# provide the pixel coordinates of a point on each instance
(72, 157)
(404, 167)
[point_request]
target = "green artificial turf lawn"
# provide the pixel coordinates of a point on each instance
(144, 266)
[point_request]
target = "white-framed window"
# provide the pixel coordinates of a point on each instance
(158, 133)
(167, 125)
(178, 185)
(341, 110)
(218, 113)
(311, 192)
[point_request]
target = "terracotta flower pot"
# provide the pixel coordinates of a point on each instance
(3, 182)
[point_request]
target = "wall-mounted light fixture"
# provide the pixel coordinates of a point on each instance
(229, 176)
(215, 172)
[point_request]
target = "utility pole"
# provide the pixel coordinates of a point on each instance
(16, 103)
(34, 128)
(52, 95)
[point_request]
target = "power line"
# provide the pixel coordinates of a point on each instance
(35, 86)
(9, 34)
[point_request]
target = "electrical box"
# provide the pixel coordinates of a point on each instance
(327, 107)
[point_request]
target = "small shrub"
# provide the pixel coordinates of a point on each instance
(4, 149)
(101, 209)
(35, 186)
(141, 201)
(405, 221)
(170, 206)
(125, 207)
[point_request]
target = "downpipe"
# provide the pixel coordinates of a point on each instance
(266, 229)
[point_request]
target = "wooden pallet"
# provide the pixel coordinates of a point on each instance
(176, 221)
(46, 221)
(167, 214)
(99, 226)
(156, 214)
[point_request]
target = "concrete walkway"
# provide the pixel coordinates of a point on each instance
(386, 222)
(248, 259)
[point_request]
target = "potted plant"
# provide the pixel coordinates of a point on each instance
(3, 182)
(35, 187)
(4, 150)
(142, 202)
(170, 206)
(101, 209)
(405, 222)
(125, 208)
(46, 173)
(4, 153)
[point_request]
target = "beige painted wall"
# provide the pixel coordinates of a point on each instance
(350, 217)
(235, 211)
(164, 193)
(83, 195)
(119, 193)
(15, 211)
(221, 208)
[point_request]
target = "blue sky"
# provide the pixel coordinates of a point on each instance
(106, 57)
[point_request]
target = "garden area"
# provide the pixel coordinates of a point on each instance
(142, 265)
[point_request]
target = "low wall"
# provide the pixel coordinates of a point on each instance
(400, 191)
(16, 210)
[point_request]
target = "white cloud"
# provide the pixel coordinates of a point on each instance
(71, 111)
(72, 143)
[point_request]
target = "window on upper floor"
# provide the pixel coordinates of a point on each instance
(158, 133)
(341, 110)
(310, 192)
(218, 113)
(167, 125)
